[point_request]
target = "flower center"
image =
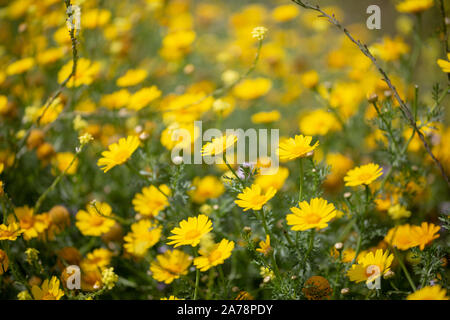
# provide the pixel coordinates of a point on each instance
(312, 218)
(97, 221)
(215, 255)
(192, 234)
(121, 156)
(365, 176)
(257, 199)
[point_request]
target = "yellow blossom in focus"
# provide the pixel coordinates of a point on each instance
(190, 231)
(315, 214)
(297, 147)
(253, 198)
(151, 200)
(118, 153)
(144, 235)
(214, 256)
(96, 220)
(363, 175)
(371, 266)
(170, 266)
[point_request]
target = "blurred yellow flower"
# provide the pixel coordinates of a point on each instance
(31, 223)
(398, 212)
(414, 6)
(219, 145)
(141, 98)
(144, 235)
(10, 231)
(390, 49)
(435, 292)
(309, 79)
(170, 266)
(49, 290)
(285, 12)
(151, 201)
(264, 246)
(272, 180)
(87, 71)
(209, 187)
(400, 237)
(424, 234)
(20, 66)
(318, 122)
(63, 162)
(444, 64)
(250, 89)
(266, 117)
(4, 262)
(132, 77)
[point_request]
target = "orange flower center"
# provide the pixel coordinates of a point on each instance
(97, 221)
(121, 156)
(313, 218)
(365, 176)
(192, 234)
(215, 255)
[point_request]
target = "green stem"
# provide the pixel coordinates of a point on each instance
(232, 170)
(405, 270)
(311, 243)
(197, 278)
(300, 191)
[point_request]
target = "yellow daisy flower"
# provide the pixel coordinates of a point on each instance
(151, 201)
(170, 266)
(371, 266)
(429, 293)
(32, 224)
(253, 198)
(205, 188)
(10, 231)
(218, 145)
(297, 147)
(365, 174)
(118, 153)
(190, 231)
(98, 259)
(132, 77)
(144, 235)
(266, 117)
(444, 64)
(400, 237)
(86, 73)
(315, 214)
(95, 221)
(4, 262)
(215, 256)
(171, 298)
(264, 246)
(414, 6)
(49, 290)
(250, 89)
(425, 234)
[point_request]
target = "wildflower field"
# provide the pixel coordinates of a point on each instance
(116, 123)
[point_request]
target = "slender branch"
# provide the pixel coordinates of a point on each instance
(365, 50)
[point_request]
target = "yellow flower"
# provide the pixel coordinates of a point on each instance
(400, 237)
(86, 73)
(151, 201)
(170, 266)
(49, 290)
(435, 292)
(365, 174)
(339, 165)
(171, 298)
(93, 222)
(310, 79)
(63, 159)
(414, 6)
(285, 12)
(253, 198)
(141, 98)
(118, 153)
(132, 78)
(318, 122)
(116, 100)
(94, 18)
(29, 222)
(398, 212)
(219, 145)
(264, 246)
(259, 33)
(214, 256)
(190, 231)
(50, 55)
(209, 187)
(425, 234)
(4, 262)
(390, 49)
(20, 66)
(266, 117)
(444, 64)
(297, 147)
(97, 259)
(109, 278)
(144, 235)
(315, 214)
(177, 44)
(275, 180)
(250, 89)
(10, 231)
(371, 266)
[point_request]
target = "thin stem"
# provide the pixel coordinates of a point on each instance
(300, 191)
(405, 271)
(197, 278)
(232, 170)
(388, 127)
